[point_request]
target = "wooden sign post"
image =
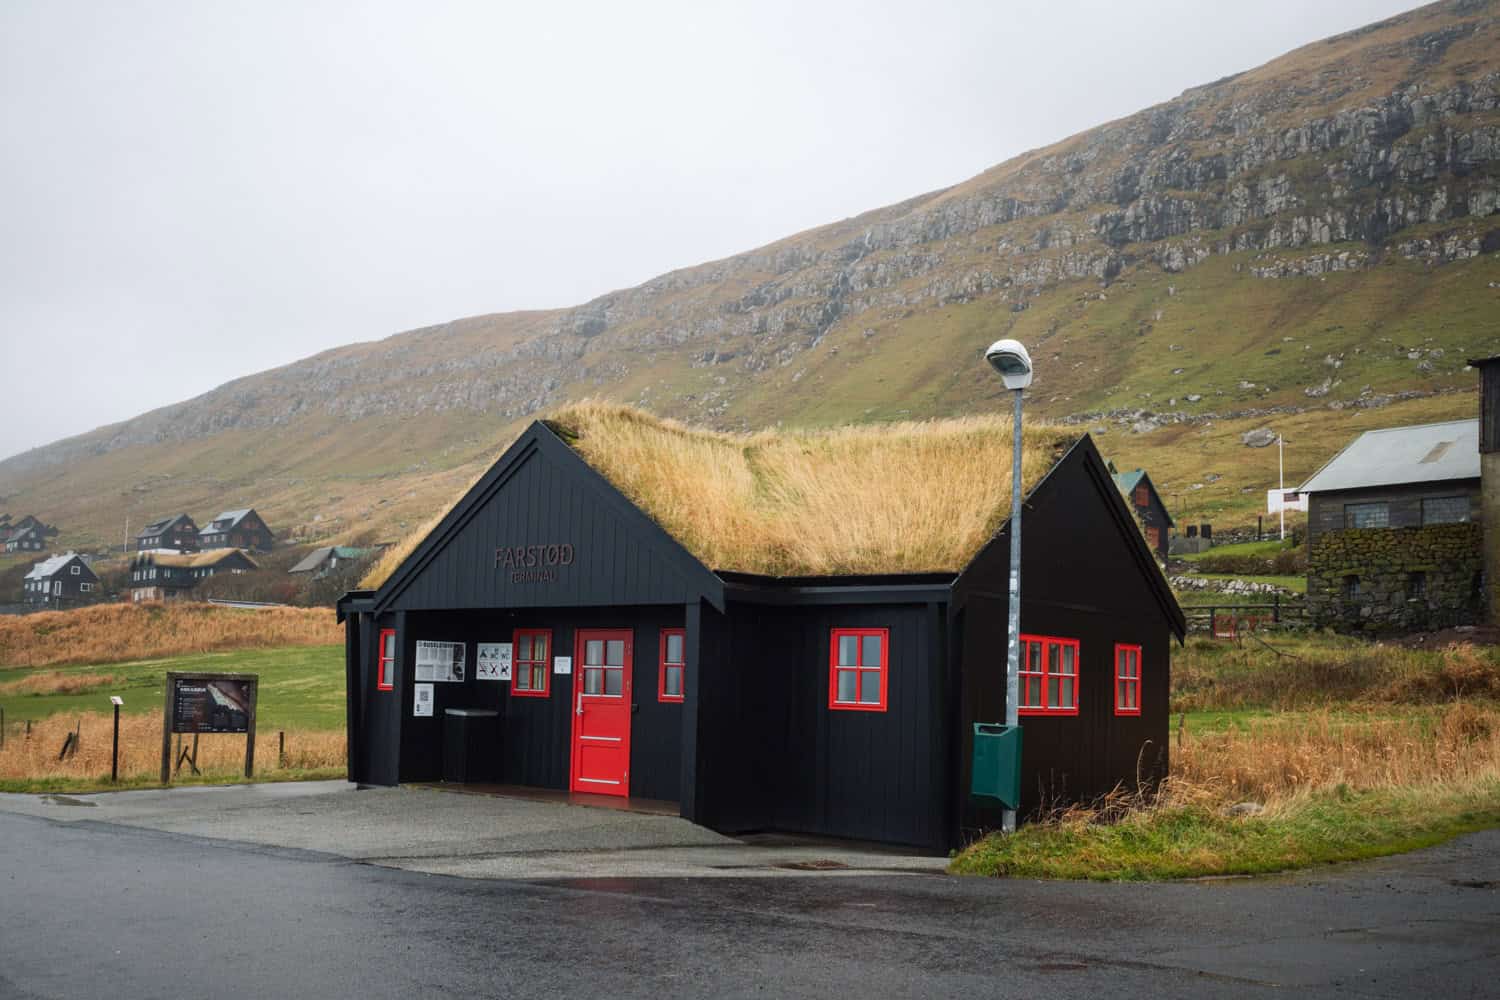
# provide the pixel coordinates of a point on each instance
(208, 703)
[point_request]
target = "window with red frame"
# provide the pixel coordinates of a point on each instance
(673, 664)
(1127, 680)
(857, 669)
(385, 674)
(1048, 676)
(531, 675)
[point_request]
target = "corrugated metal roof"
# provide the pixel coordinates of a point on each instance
(313, 560)
(1395, 455)
(232, 517)
(47, 567)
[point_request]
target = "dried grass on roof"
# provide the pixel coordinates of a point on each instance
(192, 560)
(880, 498)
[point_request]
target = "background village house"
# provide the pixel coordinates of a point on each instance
(327, 559)
(1140, 492)
(178, 533)
(1394, 531)
(804, 648)
(161, 575)
(29, 534)
(60, 581)
(236, 529)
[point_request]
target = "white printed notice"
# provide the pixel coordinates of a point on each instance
(562, 664)
(442, 662)
(492, 661)
(422, 701)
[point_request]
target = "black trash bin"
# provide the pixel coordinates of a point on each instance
(471, 744)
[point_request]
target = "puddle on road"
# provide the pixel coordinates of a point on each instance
(66, 800)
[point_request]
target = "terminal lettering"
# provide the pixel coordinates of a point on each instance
(533, 563)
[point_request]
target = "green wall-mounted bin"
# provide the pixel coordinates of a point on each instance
(997, 763)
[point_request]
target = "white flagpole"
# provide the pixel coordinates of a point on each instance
(1281, 476)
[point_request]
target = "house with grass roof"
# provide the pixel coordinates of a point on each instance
(159, 575)
(785, 630)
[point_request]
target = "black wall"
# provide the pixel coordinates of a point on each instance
(1080, 581)
(773, 755)
(542, 495)
(535, 733)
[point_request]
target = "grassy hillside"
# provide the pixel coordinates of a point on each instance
(1313, 245)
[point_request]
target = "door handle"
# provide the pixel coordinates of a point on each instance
(579, 709)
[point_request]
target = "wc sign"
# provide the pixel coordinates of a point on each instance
(493, 661)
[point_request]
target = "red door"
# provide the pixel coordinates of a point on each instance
(601, 711)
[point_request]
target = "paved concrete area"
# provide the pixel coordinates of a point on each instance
(90, 909)
(469, 836)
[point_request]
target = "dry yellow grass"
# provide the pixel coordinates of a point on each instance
(886, 498)
(115, 633)
(1276, 761)
(140, 749)
(53, 682)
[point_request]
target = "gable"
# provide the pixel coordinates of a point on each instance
(1080, 548)
(543, 529)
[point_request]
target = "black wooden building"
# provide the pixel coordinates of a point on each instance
(178, 533)
(836, 704)
(60, 581)
(236, 529)
(1140, 493)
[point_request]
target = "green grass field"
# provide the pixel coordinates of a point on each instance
(301, 687)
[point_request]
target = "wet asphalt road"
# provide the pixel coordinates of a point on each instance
(100, 910)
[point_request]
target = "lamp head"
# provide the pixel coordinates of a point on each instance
(1009, 358)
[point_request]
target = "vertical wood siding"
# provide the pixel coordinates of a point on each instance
(1079, 581)
(535, 733)
(774, 755)
(550, 503)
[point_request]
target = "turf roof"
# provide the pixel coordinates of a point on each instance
(872, 499)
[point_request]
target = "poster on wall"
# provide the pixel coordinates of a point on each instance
(422, 700)
(440, 662)
(492, 661)
(562, 664)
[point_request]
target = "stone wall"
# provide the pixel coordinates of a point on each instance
(1385, 562)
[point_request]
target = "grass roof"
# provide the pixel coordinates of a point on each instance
(193, 560)
(879, 498)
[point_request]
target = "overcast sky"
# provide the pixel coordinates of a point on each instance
(195, 191)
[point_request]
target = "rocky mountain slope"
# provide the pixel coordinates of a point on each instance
(1320, 234)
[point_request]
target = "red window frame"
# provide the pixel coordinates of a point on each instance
(1042, 677)
(385, 666)
(664, 663)
(1126, 680)
(858, 668)
(545, 691)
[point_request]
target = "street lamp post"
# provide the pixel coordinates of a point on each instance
(1010, 359)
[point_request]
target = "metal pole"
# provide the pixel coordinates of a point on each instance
(1013, 600)
(114, 751)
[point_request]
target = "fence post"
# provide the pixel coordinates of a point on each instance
(281, 748)
(1276, 608)
(2, 728)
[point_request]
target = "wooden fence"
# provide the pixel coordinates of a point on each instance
(1230, 621)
